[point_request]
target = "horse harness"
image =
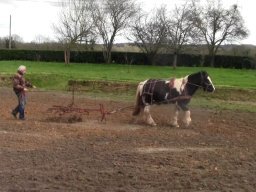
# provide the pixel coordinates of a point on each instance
(149, 91)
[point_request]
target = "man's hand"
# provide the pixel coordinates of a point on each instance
(25, 89)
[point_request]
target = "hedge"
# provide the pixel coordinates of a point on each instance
(221, 61)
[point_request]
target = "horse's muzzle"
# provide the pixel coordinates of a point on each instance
(209, 88)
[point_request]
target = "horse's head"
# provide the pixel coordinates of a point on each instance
(206, 82)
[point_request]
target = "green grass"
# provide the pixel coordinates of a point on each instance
(55, 75)
(236, 89)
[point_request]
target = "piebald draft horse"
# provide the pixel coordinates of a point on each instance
(172, 91)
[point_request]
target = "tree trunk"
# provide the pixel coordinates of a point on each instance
(109, 58)
(175, 58)
(212, 62)
(107, 55)
(67, 56)
(212, 56)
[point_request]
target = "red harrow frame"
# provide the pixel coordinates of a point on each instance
(71, 108)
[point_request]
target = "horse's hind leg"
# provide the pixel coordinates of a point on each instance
(149, 119)
(187, 118)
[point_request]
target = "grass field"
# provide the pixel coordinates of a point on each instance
(236, 89)
(55, 75)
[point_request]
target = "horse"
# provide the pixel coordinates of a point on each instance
(177, 92)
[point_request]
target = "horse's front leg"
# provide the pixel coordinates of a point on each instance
(186, 118)
(175, 114)
(149, 119)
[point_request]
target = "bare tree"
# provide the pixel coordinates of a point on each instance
(40, 39)
(110, 18)
(149, 32)
(218, 25)
(75, 25)
(180, 29)
(16, 40)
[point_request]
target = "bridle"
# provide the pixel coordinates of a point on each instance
(201, 83)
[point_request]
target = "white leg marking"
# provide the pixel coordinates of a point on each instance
(186, 119)
(174, 119)
(149, 119)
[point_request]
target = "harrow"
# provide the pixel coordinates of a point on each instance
(73, 109)
(61, 110)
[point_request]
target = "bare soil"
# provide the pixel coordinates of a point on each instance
(78, 152)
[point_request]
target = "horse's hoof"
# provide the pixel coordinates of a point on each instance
(175, 125)
(151, 123)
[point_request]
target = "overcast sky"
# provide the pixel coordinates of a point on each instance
(33, 18)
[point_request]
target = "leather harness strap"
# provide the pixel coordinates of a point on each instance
(149, 91)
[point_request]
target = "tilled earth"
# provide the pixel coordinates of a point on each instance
(48, 153)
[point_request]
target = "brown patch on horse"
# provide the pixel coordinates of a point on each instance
(171, 83)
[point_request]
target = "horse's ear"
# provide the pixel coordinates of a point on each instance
(204, 73)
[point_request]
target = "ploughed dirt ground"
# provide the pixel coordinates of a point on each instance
(48, 153)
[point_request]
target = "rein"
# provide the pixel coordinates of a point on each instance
(194, 84)
(181, 97)
(200, 86)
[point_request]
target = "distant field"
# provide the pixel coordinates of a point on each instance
(55, 75)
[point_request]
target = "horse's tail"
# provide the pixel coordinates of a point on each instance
(137, 106)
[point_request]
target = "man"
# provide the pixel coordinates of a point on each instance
(20, 86)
